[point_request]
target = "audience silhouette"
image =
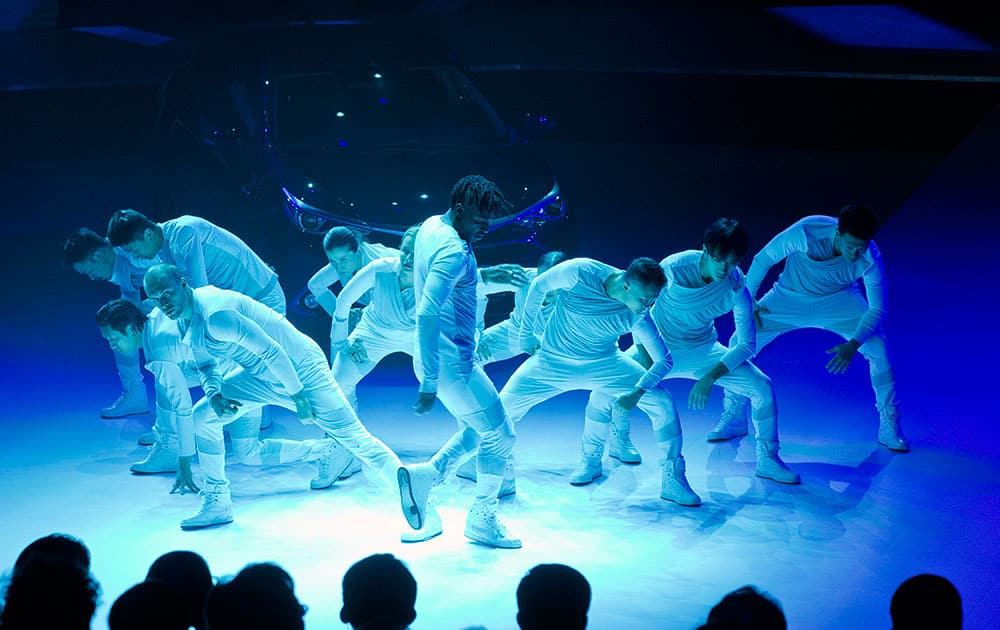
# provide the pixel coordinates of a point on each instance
(190, 576)
(379, 594)
(926, 601)
(553, 597)
(149, 605)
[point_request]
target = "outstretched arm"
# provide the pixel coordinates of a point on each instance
(563, 276)
(792, 239)
(358, 285)
(319, 286)
(645, 335)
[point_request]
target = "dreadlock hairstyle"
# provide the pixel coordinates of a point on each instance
(482, 193)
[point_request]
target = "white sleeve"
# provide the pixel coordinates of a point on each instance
(874, 280)
(358, 285)
(563, 276)
(644, 332)
(319, 286)
(792, 239)
(185, 247)
(232, 327)
(745, 344)
(442, 276)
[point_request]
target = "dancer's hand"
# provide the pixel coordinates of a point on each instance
(627, 402)
(842, 356)
(699, 392)
(224, 407)
(758, 308)
(357, 352)
(303, 408)
(507, 273)
(184, 482)
(424, 403)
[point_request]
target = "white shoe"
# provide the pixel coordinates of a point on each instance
(159, 460)
(352, 470)
(733, 423)
(770, 466)
(589, 469)
(620, 447)
(415, 483)
(332, 466)
(131, 402)
(674, 485)
(147, 439)
(507, 489)
(483, 526)
(432, 527)
(216, 509)
(890, 435)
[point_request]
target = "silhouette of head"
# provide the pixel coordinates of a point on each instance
(149, 605)
(49, 591)
(379, 594)
(926, 601)
(553, 597)
(56, 547)
(188, 573)
(260, 597)
(747, 608)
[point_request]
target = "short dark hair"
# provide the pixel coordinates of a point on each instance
(120, 314)
(482, 193)
(548, 260)
(553, 596)
(151, 605)
(646, 271)
(748, 607)
(126, 226)
(81, 244)
(189, 574)
(342, 236)
(858, 221)
(261, 596)
(926, 601)
(379, 588)
(56, 546)
(726, 237)
(49, 592)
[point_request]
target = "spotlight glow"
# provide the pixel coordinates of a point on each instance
(340, 114)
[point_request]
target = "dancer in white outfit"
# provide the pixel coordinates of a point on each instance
(500, 341)
(445, 278)
(578, 349)
(91, 255)
(346, 252)
(172, 363)
(703, 285)
(275, 365)
(826, 259)
(387, 323)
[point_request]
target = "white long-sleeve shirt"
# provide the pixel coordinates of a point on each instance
(812, 268)
(127, 273)
(585, 322)
(445, 276)
(207, 254)
(229, 325)
(391, 308)
(686, 310)
(321, 281)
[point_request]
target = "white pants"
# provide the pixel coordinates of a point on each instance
(273, 296)
(498, 342)
(838, 313)
(483, 424)
(332, 414)
(378, 345)
(745, 380)
(128, 370)
(543, 376)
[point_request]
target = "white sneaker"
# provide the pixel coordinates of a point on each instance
(674, 485)
(432, 527)
(733, 423)
(415, 483)
(620, 447)
(216, 509)
(352, 470)
(890, 435)
(159, 460)
(507, 489)
(483, 526)
(147, 439)
(589, 469)
(131, 402)
(770, 466)
(332, 466)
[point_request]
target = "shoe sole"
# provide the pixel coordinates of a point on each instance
(628, 462)
(725, 438)
(797, 481)
(124, 415)
(514, 544)
(896, 449)
(418, 539)
(142, 442)
(343, 474)
(698, 504)
(152, 472)
(188, 528)
(581, 482)
(411, 511)
(350, 472)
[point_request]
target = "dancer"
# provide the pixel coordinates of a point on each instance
(445, 279)
(386, 324)
(578, 349)
(275, 364)
(702, 286)
(172, 363)
(347, 252)
(825, 257)
(91, 255)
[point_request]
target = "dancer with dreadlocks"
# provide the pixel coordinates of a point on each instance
(445, 278)
(826, 259)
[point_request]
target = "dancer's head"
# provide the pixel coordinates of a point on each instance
(406, 245)
(135, 233)
(474, 201)
(379, 594)
(644, 279)
(724, 244)
(342, 246)
(926, 601)
(89, 254)
(121, 323)
(553, 596)
(548, 260)
(168, 290)
(856, 227)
